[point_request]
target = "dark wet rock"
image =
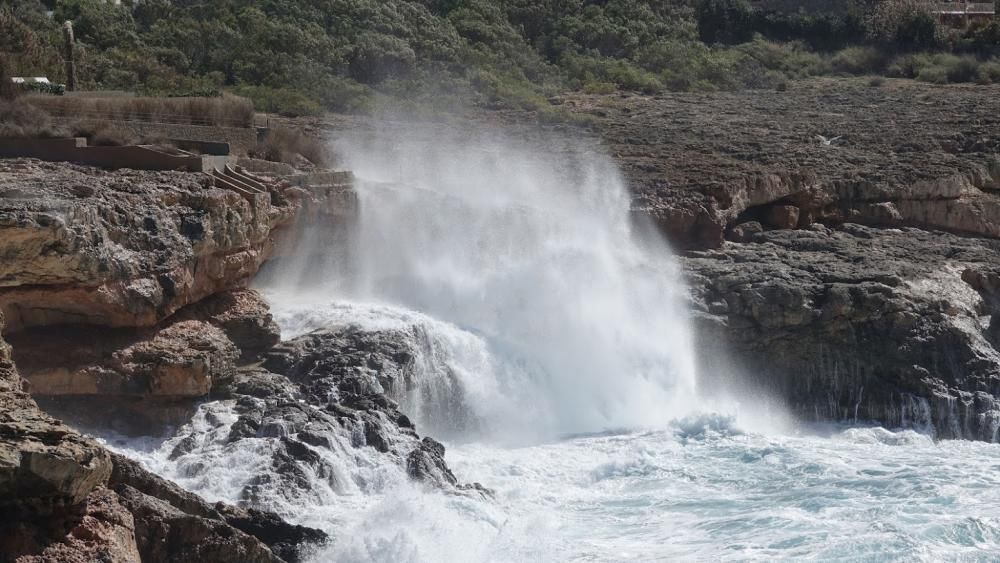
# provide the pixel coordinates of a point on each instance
(317, 396)
(285, 540)
(219, 523)
(166, 534)
(859, 323)
(426, 463)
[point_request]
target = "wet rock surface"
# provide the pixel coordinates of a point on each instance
(316, 398)
(896, 326)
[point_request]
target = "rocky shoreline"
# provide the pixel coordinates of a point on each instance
(856, 277)
(123, 296)
(856, 280)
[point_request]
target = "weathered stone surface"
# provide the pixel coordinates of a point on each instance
(101, 529)
(178, 359)
(909, 154)
(285, 540)
(43, 463)
(123, 248)
(243, 316)
(166, 534)
(858, 323)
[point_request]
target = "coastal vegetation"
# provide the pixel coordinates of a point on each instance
(309, 56)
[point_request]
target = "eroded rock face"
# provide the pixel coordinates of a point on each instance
(908, 154)
(172, 522)
(858, 323)
(44, 464)
(176, 360)
(81, 245)
(244, 317)
(314, 400)
(99, 530)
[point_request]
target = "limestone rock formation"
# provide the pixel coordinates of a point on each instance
(909, 155)
(861, 324)
(123, 248)
(174, 360)
(95, 265)
(243, 316)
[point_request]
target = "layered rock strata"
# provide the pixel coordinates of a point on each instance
(904, 154)
(895, 326)
(123, 248)
(66, 498)
(124, 294)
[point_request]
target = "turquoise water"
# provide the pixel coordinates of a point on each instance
(857, 495)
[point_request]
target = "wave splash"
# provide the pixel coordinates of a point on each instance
(543, 302)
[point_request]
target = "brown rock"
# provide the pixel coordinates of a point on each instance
(180, 359)
(782, 216)
(102, 531)
(744, 232)
(139, 247)
(243, 315)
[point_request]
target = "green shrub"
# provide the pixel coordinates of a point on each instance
(283, 101)
(43, 88)
(933, 74)
(989, 73)
(962, 69)
(858, 60)
(597, 87)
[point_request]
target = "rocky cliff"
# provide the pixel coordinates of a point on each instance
(123, 297)
(840, 240)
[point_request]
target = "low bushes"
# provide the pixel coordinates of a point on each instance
(226, 111)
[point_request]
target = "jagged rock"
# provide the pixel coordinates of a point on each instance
(131, 250)
(315, 397)
(859, 323)
(43, 463)
(100, 529)
(166, 534)
(744, 232)
(179, 359)
(285, 540)
(426, 463)
(243, 315)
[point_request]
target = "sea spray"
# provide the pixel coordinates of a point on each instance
(528, 249)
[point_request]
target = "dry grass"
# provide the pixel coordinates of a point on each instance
(19, 119)
(283, 145)
(224, 111)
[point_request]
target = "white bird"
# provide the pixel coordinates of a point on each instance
(827, 142)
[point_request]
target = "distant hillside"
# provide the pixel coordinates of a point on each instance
(306, 56)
